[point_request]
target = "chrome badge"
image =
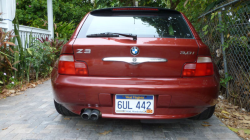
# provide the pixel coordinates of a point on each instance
(85, 51)
(135, 60)
(134, 50)
(79, 50)
(187, 52)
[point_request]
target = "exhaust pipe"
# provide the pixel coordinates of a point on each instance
(86, 114)
(94, 115)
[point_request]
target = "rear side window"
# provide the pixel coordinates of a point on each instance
(170, 25)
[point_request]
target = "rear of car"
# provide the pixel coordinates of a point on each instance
(135, 63)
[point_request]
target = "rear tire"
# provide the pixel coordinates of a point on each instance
(208, 113)
(63, 111)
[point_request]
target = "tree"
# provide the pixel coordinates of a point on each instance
(193, 9)
(34, 13)
(174, 3)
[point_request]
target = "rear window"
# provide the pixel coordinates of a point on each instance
(154, 25)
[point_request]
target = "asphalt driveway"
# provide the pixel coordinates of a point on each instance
(32, 116)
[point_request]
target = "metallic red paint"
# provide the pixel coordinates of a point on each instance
(189, 96)
(67, 48)
(168, 48)
(175, 97)
(163, 100)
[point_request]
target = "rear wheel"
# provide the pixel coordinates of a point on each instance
(63, 111)
(205, 114)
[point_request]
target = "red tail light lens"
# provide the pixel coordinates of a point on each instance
(67, 65)
(203, 67)
(81, 68)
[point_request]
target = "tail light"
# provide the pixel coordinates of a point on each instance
(67, 65)
(135, 9)
(203, 67)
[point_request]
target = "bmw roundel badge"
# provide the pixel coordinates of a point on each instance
(134, 50)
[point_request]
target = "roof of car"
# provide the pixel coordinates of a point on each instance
(136, 9)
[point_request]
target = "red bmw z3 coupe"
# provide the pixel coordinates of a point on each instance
(135, 63)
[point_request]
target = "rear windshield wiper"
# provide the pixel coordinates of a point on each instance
(109, 34)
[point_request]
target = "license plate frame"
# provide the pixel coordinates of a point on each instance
(146, 104)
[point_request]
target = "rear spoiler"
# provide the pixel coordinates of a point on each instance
(133, 9)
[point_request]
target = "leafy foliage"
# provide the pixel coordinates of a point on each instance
(7, 60)
(224, 81)
(42, 56)
(64, 30)
(193, 9)
(18, 63)
(67, 14)
(213, 4)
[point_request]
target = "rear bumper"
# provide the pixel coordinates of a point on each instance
(175, 98)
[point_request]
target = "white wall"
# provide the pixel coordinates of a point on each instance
(3, 24)
(0, 6)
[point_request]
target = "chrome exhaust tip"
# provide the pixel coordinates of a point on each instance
(94, 115)
(86, 114)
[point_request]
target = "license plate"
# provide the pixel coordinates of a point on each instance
(136, 104)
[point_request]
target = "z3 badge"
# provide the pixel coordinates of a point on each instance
(85, 51)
